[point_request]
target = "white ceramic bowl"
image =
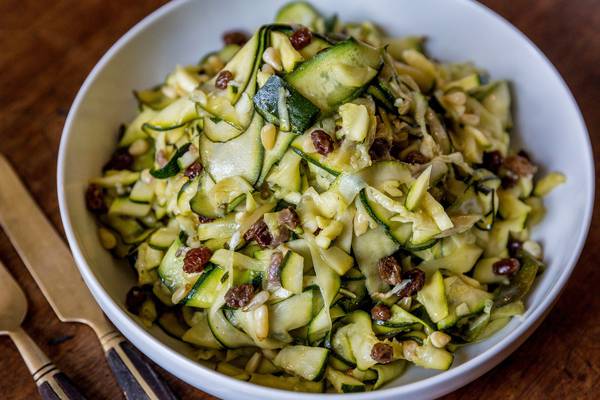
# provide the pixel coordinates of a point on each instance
(548, 125)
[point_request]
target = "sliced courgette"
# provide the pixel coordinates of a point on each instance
(276, 93)
(172, 167)
(173, 116)
(337, 74)
(343, 383)
(368, 249)
(299, 13)
(292, 272)
(458, 292)
(242, 156)
(124, 206)
(304, 361)
(433, 297)
(292, 383)
(228, 335)
(206, 288)
(289, 314)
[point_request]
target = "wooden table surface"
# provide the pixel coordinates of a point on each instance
(47, 48)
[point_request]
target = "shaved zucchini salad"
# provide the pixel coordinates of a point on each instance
(316, 206)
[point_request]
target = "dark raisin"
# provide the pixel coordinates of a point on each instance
(121, 159)
(379, 149)
(94, 199)
(492, 161)
(289, 218)
(524, 154)
(322, 141)
(204, 220)
(259, 232)
(506, 266)
(381, 312)
(389, 270)
(239, 296)
(195, 259)
(395, 150)
(513, 247)
(415, 280)
(223, 79)
(135, 298)
(264, 238)
(281, 236)
(519, 166)
(382, 353)
(193, 170)
(415, 157)
(509, 181)
(235, 37)
(301, 38)
(274, 274)
(265, 192)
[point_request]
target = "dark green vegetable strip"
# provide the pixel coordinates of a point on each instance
(337, 74)
(382, 98)
(522, 281)
(172, 168)
(302, 112)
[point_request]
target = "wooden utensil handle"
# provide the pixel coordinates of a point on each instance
(55, 385)
(51, 382)
(134, 373)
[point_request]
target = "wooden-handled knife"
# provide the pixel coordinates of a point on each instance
(52, 266)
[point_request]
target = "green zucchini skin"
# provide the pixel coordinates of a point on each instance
(206, 288)
(171, 168)
(305, 361)
(326, 82)
(302, 113)
(392, 228)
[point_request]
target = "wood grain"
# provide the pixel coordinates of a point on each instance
(48, 48)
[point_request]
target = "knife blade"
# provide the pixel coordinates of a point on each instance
(44, 253)
(53, 268)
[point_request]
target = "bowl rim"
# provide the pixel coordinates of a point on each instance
(156, 350)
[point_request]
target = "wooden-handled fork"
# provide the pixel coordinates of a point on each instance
(51, 382)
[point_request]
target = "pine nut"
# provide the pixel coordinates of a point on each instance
(456, 98)
(409, 348)
(271, 56)
(268, 136)
(139, 147)
(178, 295)
(267, 69)
(253, 363)
(261, 316)
(361, 223)
(439, 339)
(462, 309)
(533, 248)
(169, 91)
(269, 354)
(470, 119)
